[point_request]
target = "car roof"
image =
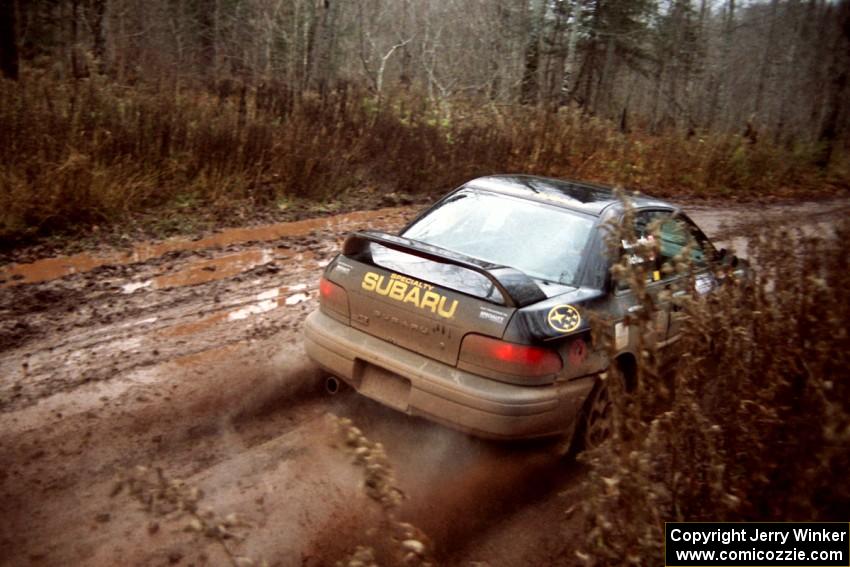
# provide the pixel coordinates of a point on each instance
(581, 196)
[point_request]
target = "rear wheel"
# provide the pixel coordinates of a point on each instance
(598, 417)
(593, 426)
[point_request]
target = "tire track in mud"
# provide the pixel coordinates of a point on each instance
(462, 491)
(127, 310)
(188, 356)
(68, 465)
(165, 361)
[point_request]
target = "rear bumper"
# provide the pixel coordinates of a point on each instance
(442, 393)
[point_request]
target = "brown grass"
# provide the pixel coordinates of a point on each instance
(755, 419)
(86, 152)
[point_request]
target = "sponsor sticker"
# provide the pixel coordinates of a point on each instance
(621, 336)
(491, 315)
(564, 318)
(704, 284)
(342, 267)
(408, 290)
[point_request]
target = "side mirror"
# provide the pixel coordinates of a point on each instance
(724, 257)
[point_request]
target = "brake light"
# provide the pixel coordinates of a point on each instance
(333, 297)
(509, 358)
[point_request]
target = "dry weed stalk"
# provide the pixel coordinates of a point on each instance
(751, 421)
(93, 152)
(407, 542)
(162, 497)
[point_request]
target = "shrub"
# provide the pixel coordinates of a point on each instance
(755, 418)
(93, 151)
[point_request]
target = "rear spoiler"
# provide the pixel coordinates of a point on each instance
(516, 287)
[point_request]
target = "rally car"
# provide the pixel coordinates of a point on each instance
(476, 314)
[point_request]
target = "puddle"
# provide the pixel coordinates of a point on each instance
(186, 329)
(223, 267)
(204, 359)
(215, 269)
(133, 286)
(261, 303)
(710, 219)
(54, 268)
(264, 302)
(297, 298)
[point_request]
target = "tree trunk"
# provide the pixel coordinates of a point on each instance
(324, 47)
(309, 46)
(530, 74)
(206, 23)
(406, 76)
(79, 67)
(602, 98)
(99, 38)
(8, 40)
(837, 97)
(724, 78)
(766, 64)
(567, 83)
(790, 71)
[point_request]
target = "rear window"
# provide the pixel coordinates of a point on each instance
(544, 241)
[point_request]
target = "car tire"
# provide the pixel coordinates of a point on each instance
(595, 423)
(592, 427)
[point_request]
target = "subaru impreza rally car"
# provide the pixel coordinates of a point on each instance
(476, 314)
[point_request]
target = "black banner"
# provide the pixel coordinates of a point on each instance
(757, 544)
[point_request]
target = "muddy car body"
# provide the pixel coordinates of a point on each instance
(476, 315)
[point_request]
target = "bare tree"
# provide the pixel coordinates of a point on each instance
(778, 65)
(376, 50)
(836, 101)
(531, 73)
(8, 40)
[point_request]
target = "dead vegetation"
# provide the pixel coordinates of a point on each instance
(168, 499)
(399, 543)
(93, 152)
(753, 424)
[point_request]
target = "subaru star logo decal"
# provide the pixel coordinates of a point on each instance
(564, 318)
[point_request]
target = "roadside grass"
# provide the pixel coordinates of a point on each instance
(755, 419)
(93, 152)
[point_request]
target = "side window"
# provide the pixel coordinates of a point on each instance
(645, 224)
(674, 234)
(677, 233)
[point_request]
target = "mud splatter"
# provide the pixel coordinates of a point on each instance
(53, 268)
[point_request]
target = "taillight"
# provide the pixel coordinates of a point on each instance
(508, 358)
(333, 298)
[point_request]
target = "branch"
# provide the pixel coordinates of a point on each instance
(386, 58)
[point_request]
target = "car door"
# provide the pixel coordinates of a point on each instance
(677, 235)
(645, 223)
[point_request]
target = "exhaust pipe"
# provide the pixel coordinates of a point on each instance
(332, 385)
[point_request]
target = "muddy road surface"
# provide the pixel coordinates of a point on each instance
(185, 356)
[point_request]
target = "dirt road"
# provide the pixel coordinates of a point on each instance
(186, 355)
